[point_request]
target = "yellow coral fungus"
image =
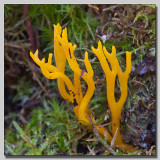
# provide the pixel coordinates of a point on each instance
(64, 50)
(115, 107)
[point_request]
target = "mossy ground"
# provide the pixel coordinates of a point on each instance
(37, 120)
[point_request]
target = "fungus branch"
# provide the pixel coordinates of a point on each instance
(115, 107)
(51, 72)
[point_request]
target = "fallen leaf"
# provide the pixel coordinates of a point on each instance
(147, 65)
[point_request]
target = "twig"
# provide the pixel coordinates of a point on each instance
(105, 125)
(37, 38)
(139, 83)
(16, 45)
(48, 22)
(15, 26)
(110, 8)
(81, 60)
(151, 104)
(27, 139)
(8, 57)
(64, 25)
(84, 49)
(150, 151)
(92, 140)
(114, 138)
(94, 7)
(134, 50)
(92, 153)
(36, 78)
(29, 27)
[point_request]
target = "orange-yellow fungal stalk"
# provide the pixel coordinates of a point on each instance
(64, 50)
(115, 107)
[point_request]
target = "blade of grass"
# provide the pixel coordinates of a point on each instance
(22, 134)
